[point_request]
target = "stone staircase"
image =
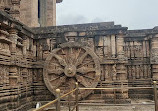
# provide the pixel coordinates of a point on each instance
(116, 108)
(97, 98)
(141, 93)
(108, 101)
(109, 96)
(109, 108)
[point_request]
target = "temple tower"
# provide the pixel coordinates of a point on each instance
(33, 13)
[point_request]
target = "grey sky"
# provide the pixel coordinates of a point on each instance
(135, 14)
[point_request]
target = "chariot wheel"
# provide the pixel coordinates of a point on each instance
(72, 62)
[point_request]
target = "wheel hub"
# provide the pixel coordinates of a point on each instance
(70, 71)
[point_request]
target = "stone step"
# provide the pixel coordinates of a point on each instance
(140, 91)
(142, 96)
(107, 96)
(109, 101)
(117, 108)
(113, 108)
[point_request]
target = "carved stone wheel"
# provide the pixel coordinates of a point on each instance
(72, 62)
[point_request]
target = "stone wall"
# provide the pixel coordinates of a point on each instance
(113, 44)
(124, 57)
(21, 85)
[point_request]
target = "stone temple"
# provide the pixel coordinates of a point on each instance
(37, 57)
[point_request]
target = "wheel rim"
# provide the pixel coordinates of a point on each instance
(71, 63)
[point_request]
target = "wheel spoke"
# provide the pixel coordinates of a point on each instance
(70, 56)
(52, 63)
(55, 71)
(85, 70)
(89, 62)
(79, 50)
(80, 60)
(81, 80)
(71, 50)
(64, 55)
(71, 83)
(60, 81)
(61, 60)
(88, 77)
(54, 79)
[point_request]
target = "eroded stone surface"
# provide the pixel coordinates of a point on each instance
(95, 55)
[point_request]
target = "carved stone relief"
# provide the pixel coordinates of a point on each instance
(71, 63)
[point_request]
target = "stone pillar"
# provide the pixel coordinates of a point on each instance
(4, 47)
(34, 49)
(109, 54)
(24, 47)
(105, 42)
(121, 68)
(154, 56)
(121, 72)
(13, 37)
(46, 48)
(13, 76)
(113, 45)
(120, 45)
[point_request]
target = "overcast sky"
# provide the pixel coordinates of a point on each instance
(135, 14)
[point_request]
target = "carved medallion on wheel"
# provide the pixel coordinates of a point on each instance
(72, 62)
